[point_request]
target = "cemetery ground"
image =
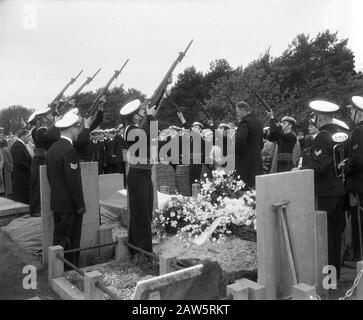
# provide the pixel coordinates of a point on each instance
(13, 259)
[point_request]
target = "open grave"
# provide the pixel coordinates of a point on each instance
(291, 254)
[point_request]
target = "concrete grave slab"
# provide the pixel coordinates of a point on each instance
(273, 265)
(171, 286)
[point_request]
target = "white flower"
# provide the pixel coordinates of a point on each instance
(248, 222)
(172, 214)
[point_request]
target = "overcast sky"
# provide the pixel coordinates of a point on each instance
(44, 43)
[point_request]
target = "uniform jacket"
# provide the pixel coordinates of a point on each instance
(326, 182)
(64, 175)
(110, 151)
(119, 146)
(248, 146)
(354, 165)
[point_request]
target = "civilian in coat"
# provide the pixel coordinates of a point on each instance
(22, 167)
(8, 167)
(248, 145)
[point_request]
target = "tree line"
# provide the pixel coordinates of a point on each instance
(319, 67)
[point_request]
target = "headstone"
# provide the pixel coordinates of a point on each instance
(165, 176)
(91, 219)
(110, 184)
(274, 270)
(182, 177)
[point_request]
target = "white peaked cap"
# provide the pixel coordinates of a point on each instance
(322, 106)
(68, 120)
(340, 123)
(130, 107)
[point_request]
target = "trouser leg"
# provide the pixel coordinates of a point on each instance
(334, 206)
(140, 191)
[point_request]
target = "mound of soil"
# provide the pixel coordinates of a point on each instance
(233, 253)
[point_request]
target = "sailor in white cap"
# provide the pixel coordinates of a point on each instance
(197, 126)
(329, 189)
(354, 175)
(284, 137)
(66, 193)
(43, 135)
(139, 183)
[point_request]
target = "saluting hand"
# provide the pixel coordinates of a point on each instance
(270, 114)
(72, 103)
(102, 102)
(151, 111)
(88, 122)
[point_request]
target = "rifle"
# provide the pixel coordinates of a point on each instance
(256, 94)
(172, 101)
(206, 113)
(158, 94)
(93, 108)
(63, 109)
(53, 105)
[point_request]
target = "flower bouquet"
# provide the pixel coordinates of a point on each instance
(222, 196)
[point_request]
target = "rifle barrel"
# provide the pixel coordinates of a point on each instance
(257, 95)
(92, 110)
(74, 79)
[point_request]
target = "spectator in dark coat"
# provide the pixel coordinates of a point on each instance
(22, 167)
(249, 143)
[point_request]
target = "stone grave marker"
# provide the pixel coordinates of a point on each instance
(307, 233)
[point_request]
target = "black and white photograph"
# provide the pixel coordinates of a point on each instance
(193, 151)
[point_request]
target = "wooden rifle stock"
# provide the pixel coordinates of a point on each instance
(53, 104)
(64, 108)
(93, 108)
(158, 94)
(257, 95)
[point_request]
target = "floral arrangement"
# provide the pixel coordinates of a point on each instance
(222, 196)
(221, 186)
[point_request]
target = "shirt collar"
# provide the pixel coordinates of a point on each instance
(64, 137)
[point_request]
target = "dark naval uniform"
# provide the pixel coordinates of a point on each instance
(110, 156)
(354, 181)
(285, 146)
(21, 172)
(119, 146)
(248, 147)
(330, 193)
(141, 195)
(66, 199)
(43, 138)
(83, 145)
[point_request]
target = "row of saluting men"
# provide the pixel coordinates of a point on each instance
(330, 189)
(71, 137)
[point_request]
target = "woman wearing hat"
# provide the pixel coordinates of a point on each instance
(284, 137)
